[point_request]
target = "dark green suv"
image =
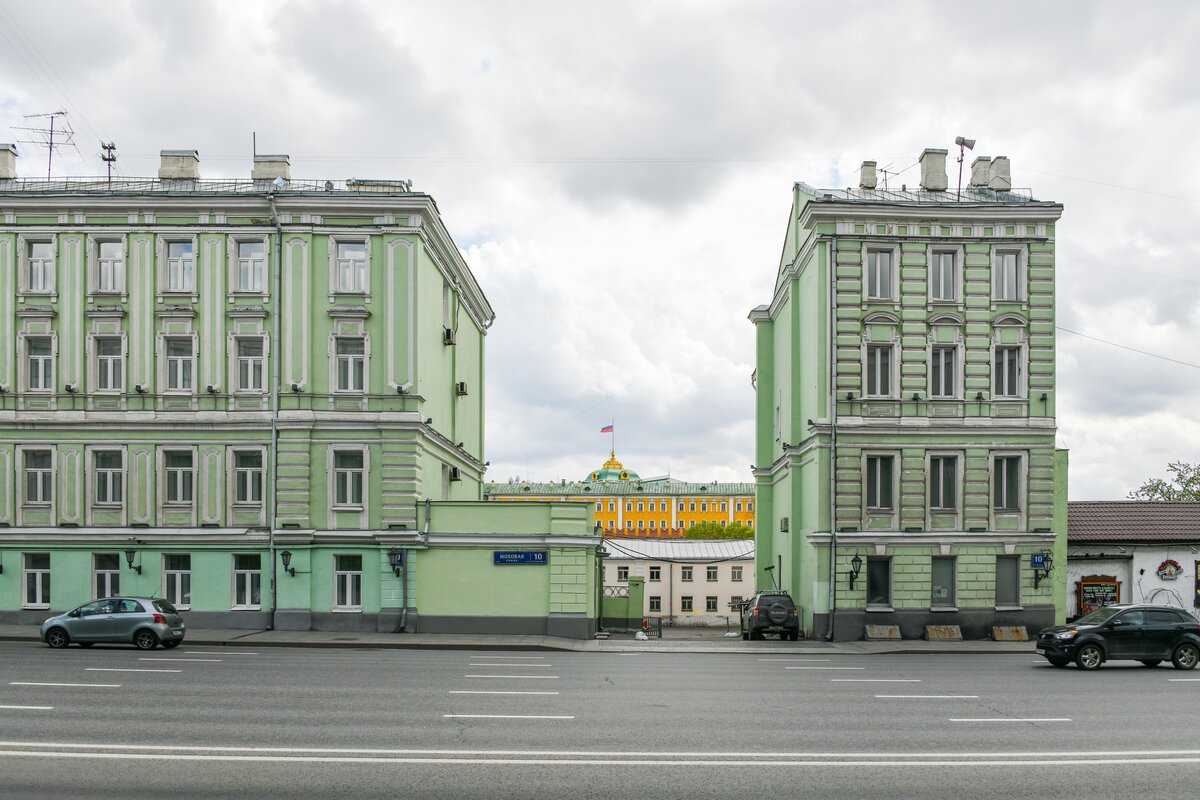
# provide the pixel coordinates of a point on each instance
(770, 612)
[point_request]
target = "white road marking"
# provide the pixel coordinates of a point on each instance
(513, 658)
(115, 669)
(1184, 680)
(88, 685)
(206, 653)
(29, 708)
(824, 667)
(469, 692)
(503, 716)
(875, 680)
(519, 677)
(200, 660)
(1008, 719)
(514, 666)
(927, 696)
(794, 659)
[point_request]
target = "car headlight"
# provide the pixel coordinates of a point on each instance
(1066, 634)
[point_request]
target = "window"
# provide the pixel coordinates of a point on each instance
(662, 524)
(247, 580)
(629, 524)
(685, 573)
(622, 573)
(942, 371)
(348, 478)
(39, 351)
(651, 524)
(109, 471)
(943, 483)
(879, 370)
(351, 365)
(351, 267)
(1006, 276)
(641, 524)
(1007, 372)
(599, 504)
(178, 471)
(879, 582)
(681, 505)
(691, 505)
(943, 277)
(629, 505)
(248, 477)
(656, 573)
(749, 505)
(879, 482)
(641, 505)
(40, 267)
(655, 602)
(1006, 483)
(39, 477)
(724, 505)
(180, 362)
(181, 267)
(685, 604)
(251, 266)
(612, 506)
(177, 578)
(738, 506)
(710, 603)
(37, 580)
(110, 267)
(704, 505)
(106, 571)
(711, 572)
(879, 275)
(736, 600)
(347, 583)
(1008, 580)
(109, 375)
(250, 365)
(735, 574)
(942, 581)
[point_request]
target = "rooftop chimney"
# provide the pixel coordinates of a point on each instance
(933, 170)
(979, 170)
(179, 165)
(1000, 175)
(866, 176)
(8, 161)
(268, 168)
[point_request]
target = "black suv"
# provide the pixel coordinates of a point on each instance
(1145, 633)
(770, 612)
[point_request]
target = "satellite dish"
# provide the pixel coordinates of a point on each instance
(279, 183)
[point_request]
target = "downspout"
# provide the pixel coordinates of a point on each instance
(276, 360)
(830, 375)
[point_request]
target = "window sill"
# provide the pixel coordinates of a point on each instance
(247, 505)
(40, 505)
(246, 608)
(347, 610)
(107, 506)
(880, 609)
(1010, 608)
(942, 609)
(36, 607)
(346, 508)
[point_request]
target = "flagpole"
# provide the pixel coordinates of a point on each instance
(613, 433)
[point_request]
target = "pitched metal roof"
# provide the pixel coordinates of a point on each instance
(701, 550)
(585, 490)
(968, 195)
(1133, 521)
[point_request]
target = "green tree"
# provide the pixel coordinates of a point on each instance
(712, 530)
(1184, 484)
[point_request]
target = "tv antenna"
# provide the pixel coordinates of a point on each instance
(885, 172)
(964, 144)
(109, 157)
(45, 137)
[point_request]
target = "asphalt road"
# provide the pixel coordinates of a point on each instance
(305, 723)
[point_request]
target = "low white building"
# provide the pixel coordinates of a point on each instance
(688, 581)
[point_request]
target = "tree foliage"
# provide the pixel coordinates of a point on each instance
(1183, 484)
(713, 530)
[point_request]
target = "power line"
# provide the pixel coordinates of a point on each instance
(1126, 347)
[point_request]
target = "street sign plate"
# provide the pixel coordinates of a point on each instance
(1037, 561)
(519, 557)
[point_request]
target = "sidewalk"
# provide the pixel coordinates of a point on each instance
(675, 640)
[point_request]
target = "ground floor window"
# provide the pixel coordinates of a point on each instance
(37, 580)
(347, 583)
(942, 581)
(177, 579)
(655, 602)
(879, 582)
(107, 572)
(247, 580)
(1008, 580)
(685, 604)
(710, 603)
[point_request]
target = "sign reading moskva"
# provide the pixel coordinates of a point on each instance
(519, 557)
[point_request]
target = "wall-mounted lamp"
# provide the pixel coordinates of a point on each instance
(139, 388)
(286, 557)
(979, 396)
(1046, 562)
(296, 388)
(396, 559)
(855, 568)
(429, 420)
(3, 389)
(1045, 397)
(460, 445)
(211, 389)
(849, 395)
(916, 396)
(811, 423)
(71, 389)
(399, 390)
(129, 555)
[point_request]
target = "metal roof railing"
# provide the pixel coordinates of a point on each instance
(181, 186)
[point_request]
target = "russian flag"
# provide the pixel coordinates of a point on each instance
(607, 429)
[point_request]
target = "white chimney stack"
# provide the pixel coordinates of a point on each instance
(933, 170)
(979, 170)
(268, 168)
(8, 162)
(179, 165)
(1000, 174)
(866, 176)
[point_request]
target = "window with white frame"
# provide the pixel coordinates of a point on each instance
(943, 483)
(248, 477)
(351, 267)
(39, 267)
(879, 482)
(1006, 372)
(39, 353)
(681, 505)
(1008, 580)
(180, 364)
(685, 604)
(109, 357)
(691, 505)
(879, 582)
(351, 364)
(181, 267)
(943, 276)
(177, 579)
(179, 471)
(250, 365)
(662, 524)
(735, 574)
(629, 505)
(108, 467)
(251, 266)
(622, 574)
(347, 583)
(879, 371)
(651, 524)
(629, 524)
(36, 580)
(1006, 275)
(749, 505)
(641, 524)
(39, 477)
(599, 504)
(1006, 483)
(656, 573)
(942, 574)
(685, 573)
(110, 267)
(247, 580)
(880, 275)
(710, 603)
(348, 477)
(106, 575)
(943, 371)
(704, 505)
(612, 506)
(711, 572)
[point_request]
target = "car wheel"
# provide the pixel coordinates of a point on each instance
(57, 638)
(145, 640)
(1185, 656)
(1090, 656)
(1059, 662)
(172, 645)
(1150, 662)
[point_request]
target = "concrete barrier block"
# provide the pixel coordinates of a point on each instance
(943, 633)
(882, 632)
(1010, 633)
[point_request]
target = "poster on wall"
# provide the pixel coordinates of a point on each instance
(1097, 591)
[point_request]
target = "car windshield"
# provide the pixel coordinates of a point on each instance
(1099, 616)
(772, 599)
(165, 607)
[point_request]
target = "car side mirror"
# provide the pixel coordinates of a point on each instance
(73, 613)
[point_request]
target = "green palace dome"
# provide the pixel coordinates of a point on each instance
(613, 470)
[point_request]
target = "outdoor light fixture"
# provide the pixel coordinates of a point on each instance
(855, 568)
(296, 387)
(129, 554)
(286, 555)
(1046, 561)
(396, 559)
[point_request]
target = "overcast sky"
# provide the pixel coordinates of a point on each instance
(618, 177)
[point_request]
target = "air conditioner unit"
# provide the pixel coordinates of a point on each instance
(455, 474)
(460, 388)
(447, 336)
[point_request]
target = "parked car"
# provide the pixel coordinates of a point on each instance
(770, 612)
(144, 622)
(1146, 633)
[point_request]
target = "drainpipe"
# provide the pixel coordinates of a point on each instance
(276, 359)
(831, 374)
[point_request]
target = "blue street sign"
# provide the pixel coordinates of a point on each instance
(1037, 561)
(519, 557)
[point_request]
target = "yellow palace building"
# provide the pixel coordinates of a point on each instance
(628, 505)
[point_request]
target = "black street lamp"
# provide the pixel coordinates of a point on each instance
(286, 555)
(129, 555)
(855, 568)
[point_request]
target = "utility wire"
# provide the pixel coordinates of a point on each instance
(1126, 347)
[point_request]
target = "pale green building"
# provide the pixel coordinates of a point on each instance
(905, 402)
(214, 376)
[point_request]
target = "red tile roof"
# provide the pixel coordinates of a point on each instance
(627, 533)
(1133, 521)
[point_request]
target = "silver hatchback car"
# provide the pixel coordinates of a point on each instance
(144, 622)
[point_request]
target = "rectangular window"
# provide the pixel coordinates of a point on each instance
(39, 351)
(347, 583)
(662, 524)
(40, 267)
(735, 574)
(351, 267)
(1006, 483)
(177, 579)
(348, 478)
(710, 603)
(656, 573)
(879, 482)
(180, 362)
(941, 573)
(251, 266)
(109, 471)
(248, 477)
(942, 371)
(943, 482)
(879, 582)
(247, 580)
(181, 267)
(110, 267)
(250, 365)
(685, 604)
(879, 275)
(879, 371)
(1008, 580)
(351, 365)
(1005, 277)
(710, 573)
(179, 475)
(681, 505)
(109, 372)
(691, 505)
(651, 524)
(106, 572)
(599, 503)
(704, 505)
(622, 573)
(1007, 372)
(738, 506)
(943, 277)
(39, 477)
(641, 505)
(641, 524)
(37, 580)
(612, 506)
(685, 573)
(655, 602)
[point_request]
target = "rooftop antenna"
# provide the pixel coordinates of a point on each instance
(963, 145)
(109, 158)
(45, 136)
(885, 172)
